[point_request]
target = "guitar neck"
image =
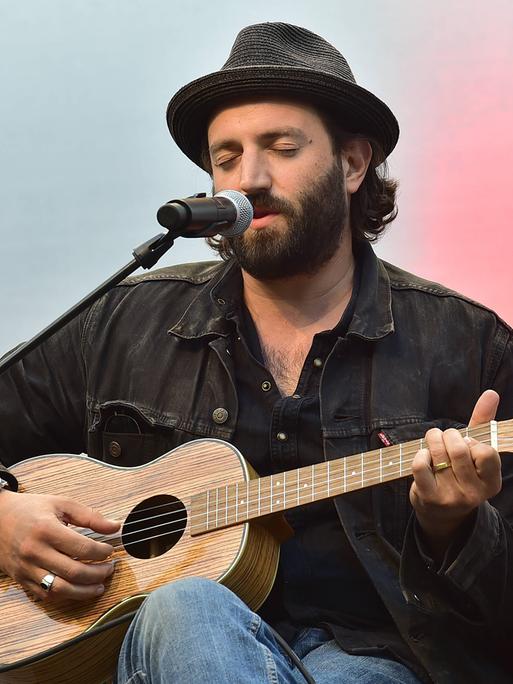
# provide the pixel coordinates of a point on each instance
(233, 504)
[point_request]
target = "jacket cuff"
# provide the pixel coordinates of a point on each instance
(472, 550)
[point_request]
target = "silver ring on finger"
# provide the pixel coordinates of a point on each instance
(47, 582)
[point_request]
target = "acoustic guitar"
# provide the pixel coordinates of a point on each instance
(199, 510)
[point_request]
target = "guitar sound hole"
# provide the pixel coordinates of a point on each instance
(154, 526)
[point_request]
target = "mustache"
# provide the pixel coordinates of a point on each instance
(266, 200)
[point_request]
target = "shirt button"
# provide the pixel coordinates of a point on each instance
(282, 436)
(220, 415)
(317, 362)
(296, 396)
(221, 301)
(115, 449)
(266, 385)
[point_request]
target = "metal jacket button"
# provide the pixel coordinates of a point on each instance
(220, 415)
(115, 449)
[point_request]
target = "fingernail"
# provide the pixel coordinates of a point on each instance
(100, 590)
(111, 570)
(467, 440)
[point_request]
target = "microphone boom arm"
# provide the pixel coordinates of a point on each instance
(146, 255)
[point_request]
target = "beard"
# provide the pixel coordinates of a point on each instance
(315, 225)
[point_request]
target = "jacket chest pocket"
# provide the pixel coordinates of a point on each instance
(126, 435)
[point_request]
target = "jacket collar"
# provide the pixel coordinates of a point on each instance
(206, 315)
(372, 318)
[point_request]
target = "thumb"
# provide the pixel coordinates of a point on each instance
(485, 408)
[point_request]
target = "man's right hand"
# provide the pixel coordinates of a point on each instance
(35, 540)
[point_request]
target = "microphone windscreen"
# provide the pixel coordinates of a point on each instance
(244, 212)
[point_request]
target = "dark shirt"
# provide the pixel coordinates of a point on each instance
(320, 581)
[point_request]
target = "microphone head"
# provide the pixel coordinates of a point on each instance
(244, 212)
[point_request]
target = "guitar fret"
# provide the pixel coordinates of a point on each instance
(226, 504)
(236, 502)
(208, 504)
(319, 481)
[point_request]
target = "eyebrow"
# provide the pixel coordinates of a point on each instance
(268, 136)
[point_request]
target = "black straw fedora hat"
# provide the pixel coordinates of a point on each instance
(277, 59)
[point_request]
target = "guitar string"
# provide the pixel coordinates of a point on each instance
(399, 447)
(293, 492)
(230, 506)
(179, 503)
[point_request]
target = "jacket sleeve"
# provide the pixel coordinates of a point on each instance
(43, 397)
(475, 580)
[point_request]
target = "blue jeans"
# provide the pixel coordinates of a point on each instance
(196, 631)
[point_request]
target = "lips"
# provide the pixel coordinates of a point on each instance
(260, 212)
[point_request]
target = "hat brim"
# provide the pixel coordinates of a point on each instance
(358, 110)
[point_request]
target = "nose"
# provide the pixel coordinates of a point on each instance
(254, 173)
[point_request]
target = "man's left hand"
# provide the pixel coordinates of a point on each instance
(444, 499)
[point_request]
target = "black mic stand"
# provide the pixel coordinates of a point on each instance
(145, 255)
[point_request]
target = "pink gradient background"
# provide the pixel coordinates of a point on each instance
(464, 193)
(86, 157)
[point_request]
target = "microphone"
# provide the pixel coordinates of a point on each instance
(227, 213)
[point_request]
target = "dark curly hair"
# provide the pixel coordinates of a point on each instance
(373, 206)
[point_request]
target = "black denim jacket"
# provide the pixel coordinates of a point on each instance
(149, 367)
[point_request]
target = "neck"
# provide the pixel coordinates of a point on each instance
(305, 298)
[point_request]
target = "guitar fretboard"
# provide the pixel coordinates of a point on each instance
(242, 501)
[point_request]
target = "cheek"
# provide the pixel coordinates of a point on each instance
(221, 181)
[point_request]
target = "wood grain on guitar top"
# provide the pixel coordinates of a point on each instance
(243, 557)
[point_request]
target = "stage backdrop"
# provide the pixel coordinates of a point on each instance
(85, 157)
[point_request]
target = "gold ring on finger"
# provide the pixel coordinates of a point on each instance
(437, 467)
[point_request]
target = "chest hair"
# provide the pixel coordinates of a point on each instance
(285, 364)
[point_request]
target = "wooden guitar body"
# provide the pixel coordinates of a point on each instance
(198, 511)
(40, 641)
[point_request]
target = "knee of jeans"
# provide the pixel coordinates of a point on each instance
(193, 595)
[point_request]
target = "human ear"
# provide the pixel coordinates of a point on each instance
(357, 155)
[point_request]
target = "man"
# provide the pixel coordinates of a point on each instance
(301, 346)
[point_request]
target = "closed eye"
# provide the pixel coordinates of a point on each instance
(224, 161)
(286, 151)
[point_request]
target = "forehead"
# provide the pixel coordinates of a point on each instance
(257, 117)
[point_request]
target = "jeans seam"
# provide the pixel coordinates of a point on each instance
(255, 625)
(271, 666)
(137, 677)
(272, 674)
